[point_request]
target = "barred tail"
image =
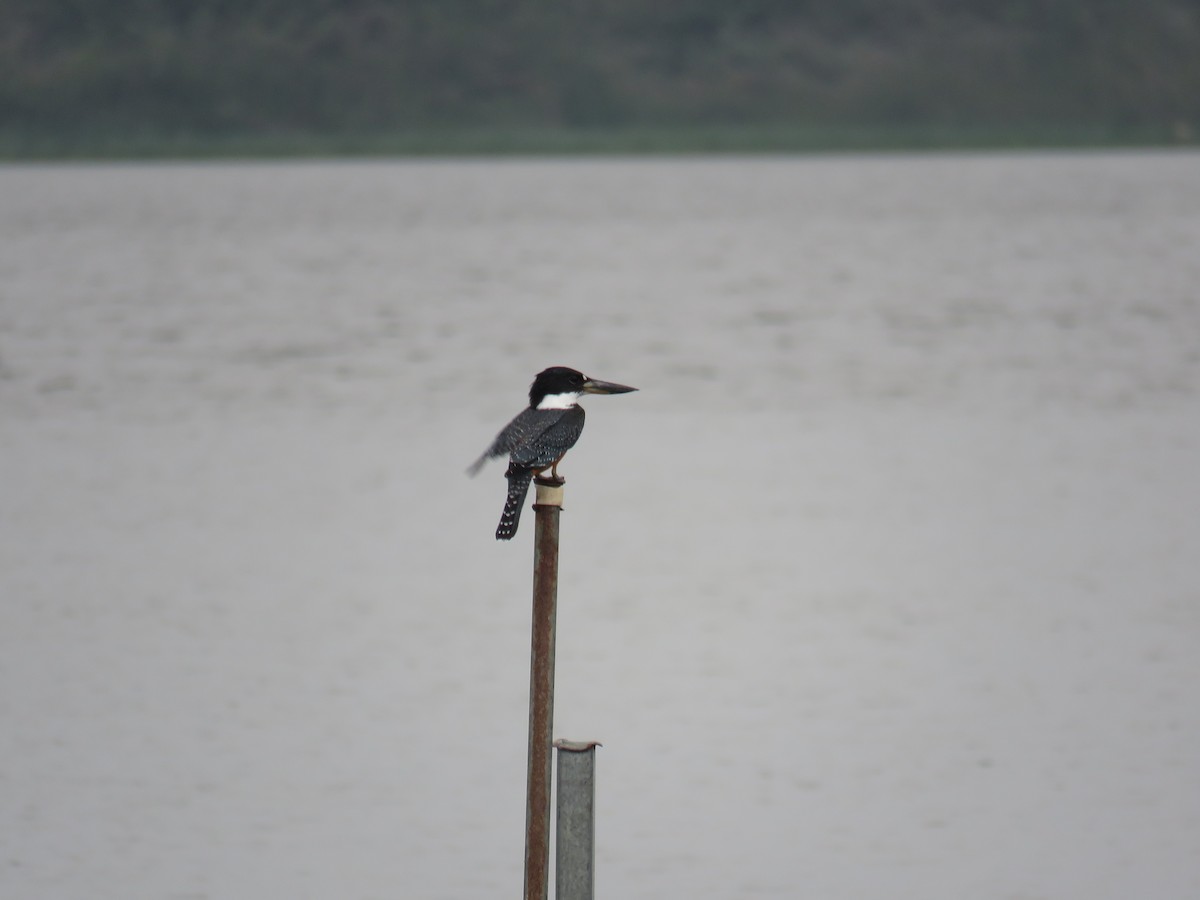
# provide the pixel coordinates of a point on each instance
(518, 488)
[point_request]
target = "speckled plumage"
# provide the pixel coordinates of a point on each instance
(535, 440)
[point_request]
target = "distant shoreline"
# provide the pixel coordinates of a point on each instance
(562, 141)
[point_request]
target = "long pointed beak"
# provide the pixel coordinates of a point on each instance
(592, 386)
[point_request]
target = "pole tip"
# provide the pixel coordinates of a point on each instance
(576, 746)
(549, 492)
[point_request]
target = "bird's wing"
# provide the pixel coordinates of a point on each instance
(551, 434)
(511, 436)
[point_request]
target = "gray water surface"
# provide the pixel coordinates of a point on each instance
(884, 585)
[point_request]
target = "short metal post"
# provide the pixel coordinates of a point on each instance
(575, 837)
(547, 506)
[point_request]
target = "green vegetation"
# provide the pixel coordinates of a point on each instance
(287, 77)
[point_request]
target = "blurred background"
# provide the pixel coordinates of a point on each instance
(884, 584)
(275, 76)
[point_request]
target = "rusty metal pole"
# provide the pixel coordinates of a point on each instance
(547, 506)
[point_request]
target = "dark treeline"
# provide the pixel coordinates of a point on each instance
(81, 67)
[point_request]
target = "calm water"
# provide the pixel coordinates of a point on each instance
(938, 278)
(883, 585)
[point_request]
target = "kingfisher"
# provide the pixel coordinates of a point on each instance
(541, 434)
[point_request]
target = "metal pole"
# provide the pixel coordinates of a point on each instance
(547, 506)
(575, 837)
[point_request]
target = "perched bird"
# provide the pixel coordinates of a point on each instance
(540, 435)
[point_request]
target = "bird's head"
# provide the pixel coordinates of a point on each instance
(560, 388)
